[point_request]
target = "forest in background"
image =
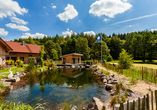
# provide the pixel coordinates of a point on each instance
(141, 45)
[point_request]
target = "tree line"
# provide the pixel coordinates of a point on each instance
(141, 45)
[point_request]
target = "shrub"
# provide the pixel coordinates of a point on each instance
(31, 67)
(21, 65)
(8, 62)
(31, 58)
(124, 99)
(114, 101)
(19, 62)
(109, 58)
(125, 59)
(11, 62)
(50, 64)
(16, 64)
(119, 86)
(2, 86)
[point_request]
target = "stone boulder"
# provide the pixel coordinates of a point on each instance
(129, 90)
(104, 81)
(112, 75)
(109, 86)
(114, 93)
(109, 82)
(96, 103)
(41, 70)
(114, 82)
(87, 66)
(17, 73)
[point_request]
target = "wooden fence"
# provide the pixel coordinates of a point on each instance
(147, 102)
(143, 73)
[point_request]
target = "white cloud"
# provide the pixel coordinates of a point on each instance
(54, 7)
(89, 32)
(109, 7)
(68, 32)
(19, 27)
(79, 21)
(70, 13)
(106, 20)
(9, 8)
(152, 30)
(3, 32)
(36, 35)
(44, 6)
(129, 26)
(124, 0)
(18, 21)
(146, 16)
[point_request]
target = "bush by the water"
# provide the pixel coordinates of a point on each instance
(125, 59)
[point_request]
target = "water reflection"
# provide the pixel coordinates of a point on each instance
(76, 86)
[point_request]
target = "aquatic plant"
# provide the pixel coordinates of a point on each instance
(2, 86)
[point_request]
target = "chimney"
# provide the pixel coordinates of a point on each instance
(23, 43)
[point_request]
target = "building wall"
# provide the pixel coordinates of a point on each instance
(2, 55)
(68, 59)
(24, 55)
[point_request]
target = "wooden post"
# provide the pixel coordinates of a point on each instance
(152, 99)
(143, 103)
(134, 105)
(142, 72)
(115, 67)
(121, 106)
(156, 98)
(128, 105)
(103, 108)
(139, 105)
(148, 102)
(122, 69)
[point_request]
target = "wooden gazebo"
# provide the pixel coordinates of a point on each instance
(73, 58)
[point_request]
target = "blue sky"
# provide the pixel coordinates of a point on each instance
(36, 18)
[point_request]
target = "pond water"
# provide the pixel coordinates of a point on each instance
(59, 87)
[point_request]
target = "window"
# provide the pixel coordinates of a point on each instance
(22, 58)
(30, 55)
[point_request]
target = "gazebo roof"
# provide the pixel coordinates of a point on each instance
(72, 54)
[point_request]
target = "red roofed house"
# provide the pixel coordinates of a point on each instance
(22, 51)
(4, 47)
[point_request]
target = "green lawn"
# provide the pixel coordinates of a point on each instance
(12, 69)
(140, 63)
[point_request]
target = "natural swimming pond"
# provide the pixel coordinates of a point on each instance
(57, 87)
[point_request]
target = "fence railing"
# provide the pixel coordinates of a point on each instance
(143, 73)
(147, 102)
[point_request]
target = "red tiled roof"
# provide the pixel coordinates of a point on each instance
(28, 48)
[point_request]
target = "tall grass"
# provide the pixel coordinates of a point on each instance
(135, 73)
(21, 106)
(2, 86)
